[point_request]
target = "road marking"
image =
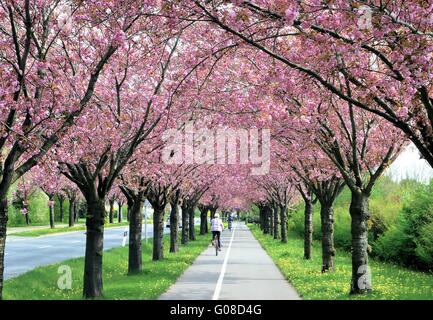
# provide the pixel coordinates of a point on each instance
(14, 240)
(76, 241)
(43, 247)
(217, 291)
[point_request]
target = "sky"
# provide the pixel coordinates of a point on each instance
(409, 165)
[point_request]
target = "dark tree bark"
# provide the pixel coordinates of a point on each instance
(51, 210)
(191, 213)
(174, 222)
(203, 219)
(359, 212)
(213, 210)
(283, 219)
(271, 221)
(158, 233)
(135, 200)
(275, 218)
(111, 212)
(185, 223)
(76, 215)
(326, 192)
(266, 219)
(94, 247)
(135, 227)
(128, 208)
(61, 202)
(71, 212)
(27, 217)
(261, 219)
(328, 250)
(119, 214)
(3, 224)
(308, 228)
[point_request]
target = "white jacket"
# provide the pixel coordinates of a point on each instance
(216, 224)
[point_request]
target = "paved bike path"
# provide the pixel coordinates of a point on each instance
(242, 271)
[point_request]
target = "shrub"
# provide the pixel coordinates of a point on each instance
(400, 227)
(410, 241)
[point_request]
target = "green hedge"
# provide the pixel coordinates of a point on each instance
(400, 228)
(38, 210)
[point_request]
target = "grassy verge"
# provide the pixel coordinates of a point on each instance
(155, 279)
(44, 231)
(389, 281)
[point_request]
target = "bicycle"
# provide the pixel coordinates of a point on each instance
(216, 244)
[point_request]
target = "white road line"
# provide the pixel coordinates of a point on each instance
(76, 241)
(43, 247)
(15, 240)
(217, 291)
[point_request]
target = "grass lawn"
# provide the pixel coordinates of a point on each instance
(155, 279)
(44, 231)
(389, 281)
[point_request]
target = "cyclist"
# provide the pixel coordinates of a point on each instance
(229, 221)
(216, 226)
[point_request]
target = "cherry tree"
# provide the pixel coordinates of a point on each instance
(25, 189)
(52, 55)
(380, 48)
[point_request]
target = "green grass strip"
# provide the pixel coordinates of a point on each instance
(390, 282)
(45, 231)
(155, 279)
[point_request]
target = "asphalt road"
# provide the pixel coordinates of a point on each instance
(26, 253)
(242, 271)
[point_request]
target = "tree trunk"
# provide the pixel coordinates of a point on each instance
(359, 212)
(266, 220)
(174, 228)
(203, 221)
(92, 287)
(261, 219)
(135, 226)
(61, 201)
(119, 214)
(283, 219)
(271, 221)
(71, 212)
(213, 210)
(184, 224)
(51, 208)
(111, 213)
(328, 250)
(191, 223)
(128, 209)
(158, 233)
(275, 217)
(206, 224)
(3, 227)
(27, 217)
(76, 211)
(308, 228)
